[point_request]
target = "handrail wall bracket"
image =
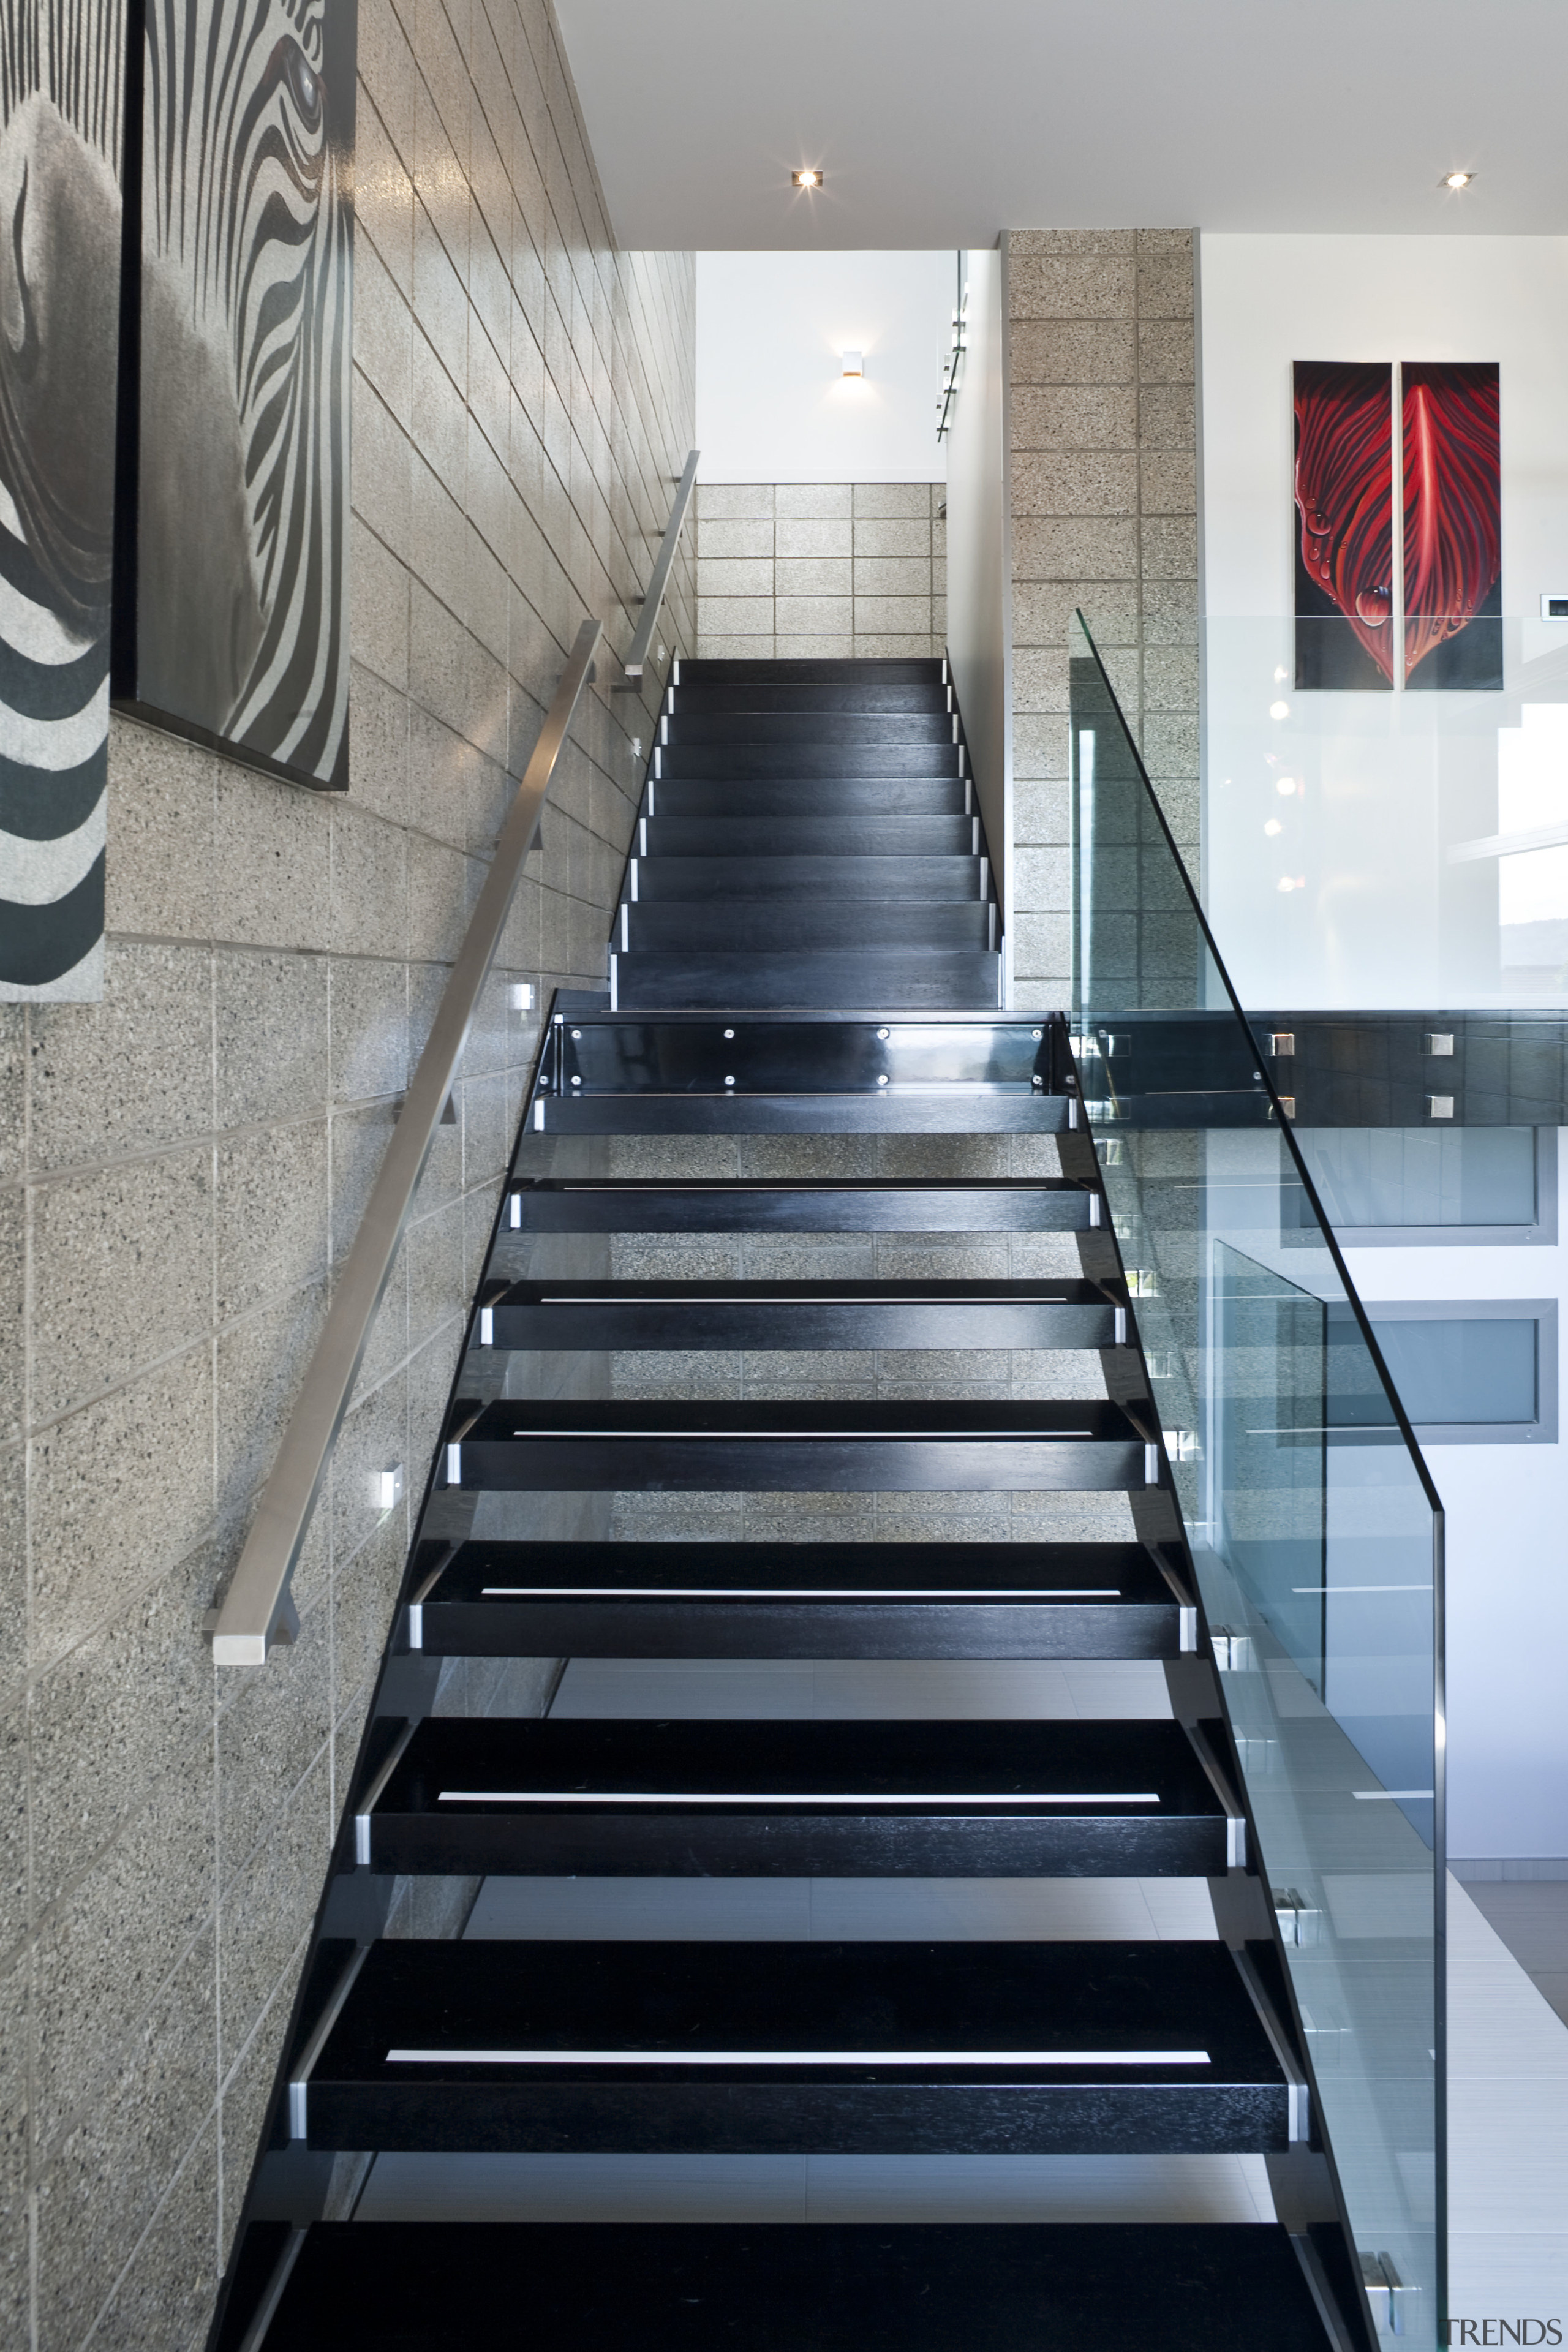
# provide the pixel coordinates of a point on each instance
(631, 678)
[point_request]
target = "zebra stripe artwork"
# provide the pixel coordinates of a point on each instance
(61, 99)
(239, 512)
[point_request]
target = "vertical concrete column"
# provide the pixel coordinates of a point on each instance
(1102, 464)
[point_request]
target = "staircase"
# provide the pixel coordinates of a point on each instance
(860, 1948)
(808, 835)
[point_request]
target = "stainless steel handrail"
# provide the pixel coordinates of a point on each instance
(630, 680)
(258, 1608)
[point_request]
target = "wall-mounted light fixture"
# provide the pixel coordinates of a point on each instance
(852, 363)
(807, 179)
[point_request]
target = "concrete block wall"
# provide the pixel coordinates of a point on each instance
(835, 570)
(182, 1167)
(1103, 464)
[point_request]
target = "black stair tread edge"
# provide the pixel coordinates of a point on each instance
(795, 1115)
(797, 1418)
(1011, 1016)
(881, 1290)
(672, 2007)
(789, 1765)
(794, 2286)
(957, 1187)
(918, 670)
(1123, 1573)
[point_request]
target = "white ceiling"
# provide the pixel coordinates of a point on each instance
(938, 122)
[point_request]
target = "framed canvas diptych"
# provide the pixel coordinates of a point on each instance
(1399, 565)
(232, 585)
(61, 118)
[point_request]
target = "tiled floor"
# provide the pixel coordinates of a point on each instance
(1532, 1919)
(1508, 2129)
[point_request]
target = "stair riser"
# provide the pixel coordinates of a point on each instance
(798, 1466)
(844, 675)
(763, 926)
(825, 1114)
(932, 981)
(1031, 1211)
(694, 723)
(857, 698)
(906, 879)
(799, 2287)
(737, 764)
(796, 1326)
(742, 835)
(698, 1845)
(811, 797)
(1005, 2118)
(763, 1628)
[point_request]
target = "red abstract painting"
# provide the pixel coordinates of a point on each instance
(1453, 522)
(1437, 625)
(1344, 501)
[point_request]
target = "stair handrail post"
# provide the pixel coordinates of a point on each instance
(630, 679)
(258, 1608)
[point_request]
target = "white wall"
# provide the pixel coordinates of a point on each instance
(1507, 1512)
(1377, 915)
(978, 602)
(773, 403)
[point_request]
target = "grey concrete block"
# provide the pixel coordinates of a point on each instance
(895, 645)
(734, 576)
(1165, 287)
(1026, 243)
(1165, 352)
(891, 501)
(733, 502)
(1167, 417)
(1079, 482)
(830, 617)
(122, 1274)
(271, 1220)
(908, 537)
(159, 879)
(892, 616)
(713, 647)
(815, 536)
(1072, 416)
(117, 1488)
(1071, 286)
(810, 646)
(737, 616)
(1170, 547)
(1041, 745)
(1042, 811)
(1167, 482)
(814, 501)
(1040, 677)
(1073, 351)
(1062, 548)
(818, 575)
(892, 575)
(728, 539)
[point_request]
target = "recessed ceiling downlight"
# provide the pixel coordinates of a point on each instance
(1457, 180)
(808, 178)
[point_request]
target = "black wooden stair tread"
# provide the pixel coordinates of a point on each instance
(564, 1314)
(856, 2047)
(684, 1447)
(820, 1600)
(873, 1204)
(795, 2287)
(913, 1800)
